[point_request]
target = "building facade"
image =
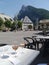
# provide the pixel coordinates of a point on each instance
(6, 17)
(44, 24)
(26, 22)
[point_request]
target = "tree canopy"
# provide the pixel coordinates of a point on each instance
(1, 22)
(7, 23)
(13, 26)
(19, 24)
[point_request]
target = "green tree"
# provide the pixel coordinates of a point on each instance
(1, 22)
(30, 27)
(13, 26)
(19, 24)
(8, 24)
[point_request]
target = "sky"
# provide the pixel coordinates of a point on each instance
(12, 7)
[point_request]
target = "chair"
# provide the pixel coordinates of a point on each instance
(30, 43)
(39, 41)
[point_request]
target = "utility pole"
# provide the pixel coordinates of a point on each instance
(36, 26)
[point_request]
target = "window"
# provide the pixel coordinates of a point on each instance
(5, 18)
(10, 19)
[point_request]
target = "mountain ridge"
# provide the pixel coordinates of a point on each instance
(33, 13)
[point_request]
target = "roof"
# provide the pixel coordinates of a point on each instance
(44, 21)
(3, 16)
(26, 20)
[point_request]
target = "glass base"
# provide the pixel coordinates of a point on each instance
(5, 57)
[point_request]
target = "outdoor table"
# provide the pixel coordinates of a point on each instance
(23, 56)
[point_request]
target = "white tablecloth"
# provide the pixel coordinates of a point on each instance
(23, 56)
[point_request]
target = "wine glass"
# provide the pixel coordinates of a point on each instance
(22, 45)
(4, 56)
(15, 47)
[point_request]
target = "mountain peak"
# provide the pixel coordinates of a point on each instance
(23, 8)
(33, 13)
